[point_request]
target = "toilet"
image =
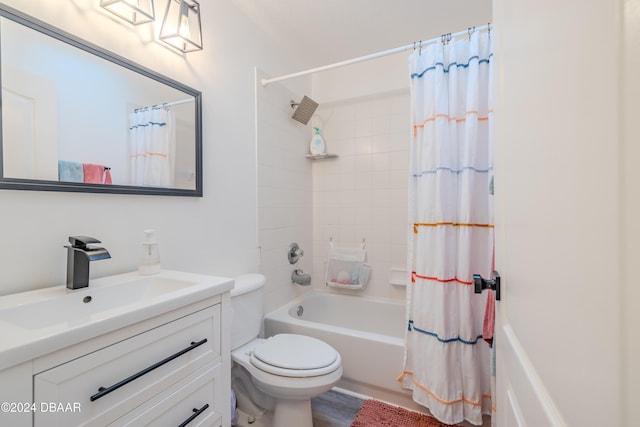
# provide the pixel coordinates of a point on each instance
(278, 376)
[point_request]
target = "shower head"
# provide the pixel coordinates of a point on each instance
(304, 109)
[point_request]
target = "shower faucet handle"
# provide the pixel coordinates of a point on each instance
(295, 252)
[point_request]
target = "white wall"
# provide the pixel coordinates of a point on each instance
(362, 79)
(215, 234)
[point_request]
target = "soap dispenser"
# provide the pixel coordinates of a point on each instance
(317, 146)
(150, 259)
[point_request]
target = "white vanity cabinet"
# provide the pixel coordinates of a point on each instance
(170, 370)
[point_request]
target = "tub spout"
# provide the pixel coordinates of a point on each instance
(299, 277)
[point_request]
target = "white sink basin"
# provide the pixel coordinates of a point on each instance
(37, 322)
(89, 304)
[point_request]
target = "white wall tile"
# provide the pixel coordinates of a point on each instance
(361, 194)
(399, 141)
(380, 162)
(399, 160)
(362, 144)
(363, 111)
(380, 142)
(381, 125)
(363, 163)
(362, 199)
(286, 195)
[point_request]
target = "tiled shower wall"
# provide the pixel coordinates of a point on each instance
(362, 194)
(284, 202)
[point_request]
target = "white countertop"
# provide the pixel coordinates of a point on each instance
(38, 322)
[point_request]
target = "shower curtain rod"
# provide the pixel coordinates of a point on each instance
(414, 45)
(166, 104)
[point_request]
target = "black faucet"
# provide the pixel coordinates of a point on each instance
(78, 257)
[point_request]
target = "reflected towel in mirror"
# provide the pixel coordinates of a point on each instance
(70, 171)
(96, 174)
(93, 173)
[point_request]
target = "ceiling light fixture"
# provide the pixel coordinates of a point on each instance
(181, 27)
(133, 11)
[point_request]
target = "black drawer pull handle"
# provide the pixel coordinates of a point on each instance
(196, 412)
(102, 391)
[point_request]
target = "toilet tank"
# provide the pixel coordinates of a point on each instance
(246, 305)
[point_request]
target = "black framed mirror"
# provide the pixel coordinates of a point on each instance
(78, 118)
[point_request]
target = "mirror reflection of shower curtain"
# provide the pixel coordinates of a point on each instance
(447, 363)
(152, 146)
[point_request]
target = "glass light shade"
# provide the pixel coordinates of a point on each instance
(134, 11)
(181, 28)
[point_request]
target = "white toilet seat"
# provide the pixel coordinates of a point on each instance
(296, 356)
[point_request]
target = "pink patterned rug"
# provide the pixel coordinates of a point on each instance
(377, 414)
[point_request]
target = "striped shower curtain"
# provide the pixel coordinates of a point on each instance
(152, 141)
(446, 360)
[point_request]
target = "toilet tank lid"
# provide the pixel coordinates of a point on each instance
(247, 283)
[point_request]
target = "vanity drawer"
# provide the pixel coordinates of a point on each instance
(196, 401)
(111, 382)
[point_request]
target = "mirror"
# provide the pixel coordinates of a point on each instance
(78, 118)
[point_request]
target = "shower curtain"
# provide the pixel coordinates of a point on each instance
(446, 360)
(152, 141)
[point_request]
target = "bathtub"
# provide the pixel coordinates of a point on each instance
(368, 333)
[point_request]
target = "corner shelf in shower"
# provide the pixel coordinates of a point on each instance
(321, 156)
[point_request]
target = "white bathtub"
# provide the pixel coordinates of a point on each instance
(368, 333)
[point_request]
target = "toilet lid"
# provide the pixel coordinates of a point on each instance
(295, 356)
